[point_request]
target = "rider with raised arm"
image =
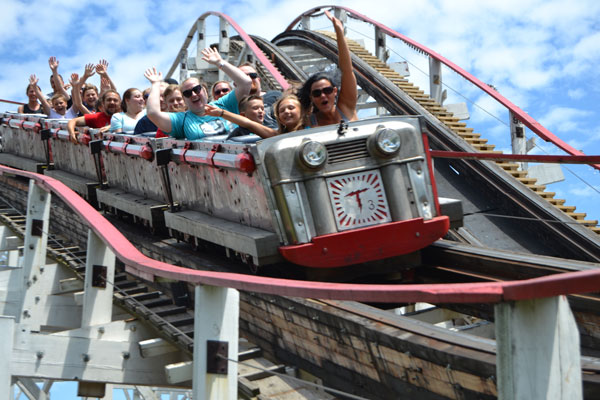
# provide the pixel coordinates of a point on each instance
(320, 93)
(194, 123)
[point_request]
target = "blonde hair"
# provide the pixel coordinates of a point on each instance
(300, 124)
(58, 96)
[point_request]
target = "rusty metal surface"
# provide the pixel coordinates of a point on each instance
(221, 192)
(133, 174)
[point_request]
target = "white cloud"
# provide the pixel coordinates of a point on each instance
(576, 93)
(564, 118)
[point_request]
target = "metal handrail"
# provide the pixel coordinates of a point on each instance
(146, 268)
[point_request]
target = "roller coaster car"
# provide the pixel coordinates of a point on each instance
(359, 192)
(325, 197)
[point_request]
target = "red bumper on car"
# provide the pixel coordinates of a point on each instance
(367, 244)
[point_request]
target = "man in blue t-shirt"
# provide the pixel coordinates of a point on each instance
(194, 124)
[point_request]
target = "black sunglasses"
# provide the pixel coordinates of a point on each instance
(196, 89)
(317, 92)
(219, 91)
(253, 75)
(146, 96)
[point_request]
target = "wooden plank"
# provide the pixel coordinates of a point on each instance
(248, 388)
(155, 347)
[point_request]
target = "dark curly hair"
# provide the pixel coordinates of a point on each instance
(304, 91)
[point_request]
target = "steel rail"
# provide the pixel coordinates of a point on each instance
(146, 268)
(521, 115)
(245, 37)
(12, 102)
(558, 159)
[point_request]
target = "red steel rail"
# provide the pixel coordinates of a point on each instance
(12, 102)
(521, 115)
(147, 268)
(559, 159)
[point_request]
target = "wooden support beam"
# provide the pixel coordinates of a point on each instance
(155, 347)
(98, 285)
(34, 255)
(101, 354)
(537, 350)
(216, 315)
(179, 372)
(70, 285)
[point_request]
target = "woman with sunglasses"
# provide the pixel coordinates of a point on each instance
(194, 124)
(320, 94)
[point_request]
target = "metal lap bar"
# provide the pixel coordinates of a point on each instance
(31, 125)
(206, 157)
(123, 148)
(61, 134)
(15, 123)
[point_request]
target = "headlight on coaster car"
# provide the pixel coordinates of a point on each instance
(312, 154)
(385, 142)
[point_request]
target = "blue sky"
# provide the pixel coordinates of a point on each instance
(540, 54)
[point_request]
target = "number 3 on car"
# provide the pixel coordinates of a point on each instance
(358, 200)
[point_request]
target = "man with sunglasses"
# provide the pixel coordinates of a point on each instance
(194, 123)
(269, 98)
(220, 89)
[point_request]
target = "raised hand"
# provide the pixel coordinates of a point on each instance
(153, 76)
(337, 24)
(75, 82)
(211, 56)
(89, 70)
(102, 67)
(33, 80)
(53, 63)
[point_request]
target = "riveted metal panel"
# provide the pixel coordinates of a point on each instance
(132, 173)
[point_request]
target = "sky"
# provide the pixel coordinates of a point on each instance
(542, 55)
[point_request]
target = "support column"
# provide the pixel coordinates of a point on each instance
(34, 254)
(98, 285)
(517, 138)
(216, 317)
(380, 45)
(223, 44)
(435, 80)
(200, 45)
(183, 66)
(538, 354)
(305, 21)
(36, 230)
(7, 333)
